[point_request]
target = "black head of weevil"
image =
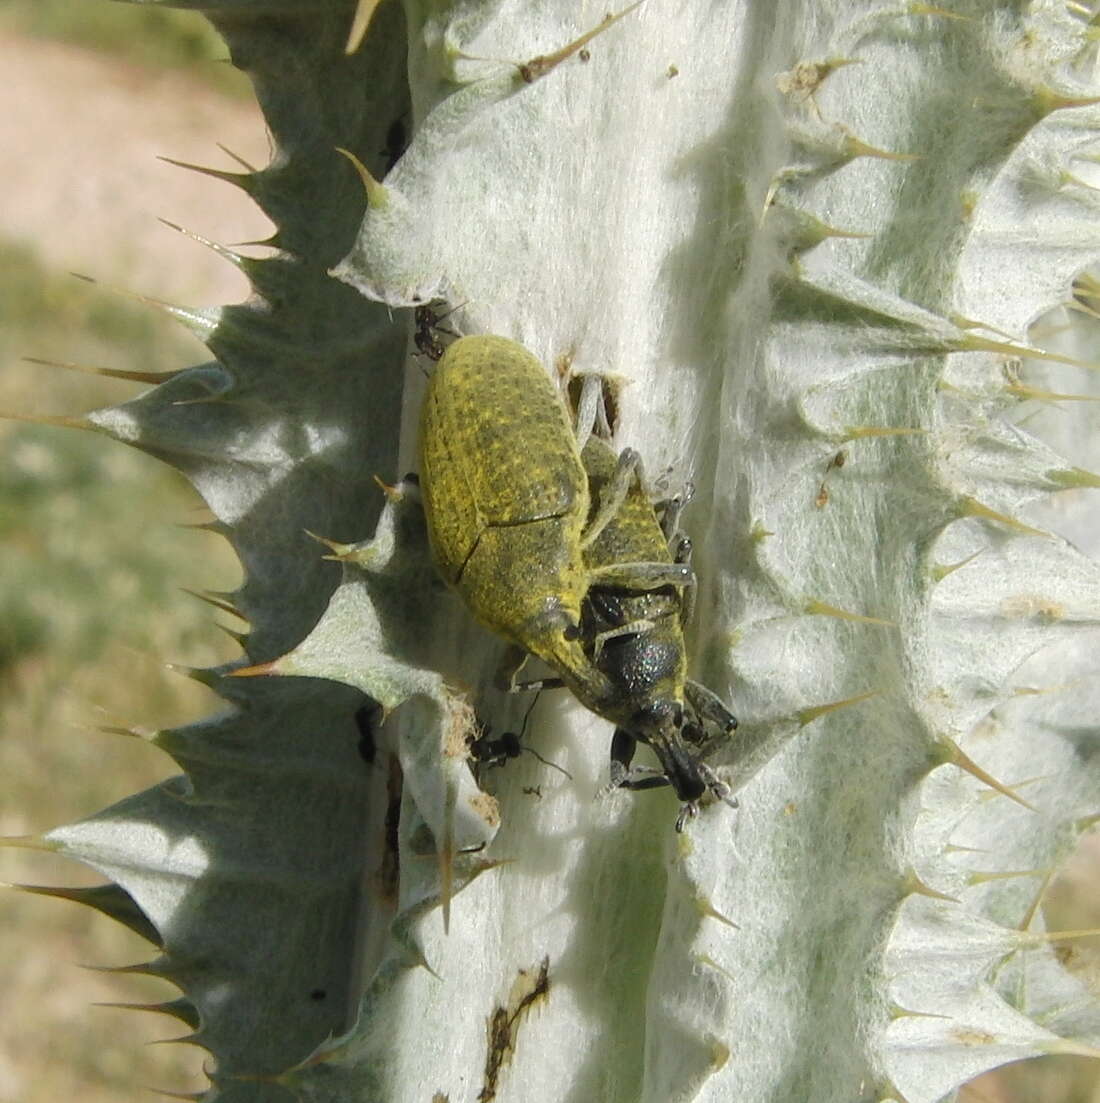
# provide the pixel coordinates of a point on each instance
(681, 743)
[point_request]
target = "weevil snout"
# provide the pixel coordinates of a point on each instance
(682, 770)
(660, 724)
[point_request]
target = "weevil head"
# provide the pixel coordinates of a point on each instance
(660, 723)
(682, 770)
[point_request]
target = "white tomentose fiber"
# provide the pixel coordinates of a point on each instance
(812, 238)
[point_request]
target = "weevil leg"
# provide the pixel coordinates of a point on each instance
(643, 777)
(688, 811)
(708, 745)
(711, 712)
(603, 423)
(682, 554)
(625, 776)
(721, 791)
(591, 412)
(669, 510)
(623, 746)
(642, 576)
(614, 493)
(718, 787)
(631, 629)
(679, 545)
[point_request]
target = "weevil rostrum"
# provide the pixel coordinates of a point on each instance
(515, 531)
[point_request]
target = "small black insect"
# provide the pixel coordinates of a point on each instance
(426, 335)
(487, 751)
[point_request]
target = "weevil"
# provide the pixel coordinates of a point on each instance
(515, 530)
(507, 507)
(636, 640)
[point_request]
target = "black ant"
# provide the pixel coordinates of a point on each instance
(487, 751)
(425, 336)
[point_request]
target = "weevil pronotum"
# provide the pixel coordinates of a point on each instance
(514, 530)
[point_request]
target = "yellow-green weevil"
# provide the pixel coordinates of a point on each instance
(514, 529)
(505, 495)
(508, 510)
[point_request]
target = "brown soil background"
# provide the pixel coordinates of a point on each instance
(81, 184)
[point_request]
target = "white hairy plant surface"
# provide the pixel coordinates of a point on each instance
(812, 239)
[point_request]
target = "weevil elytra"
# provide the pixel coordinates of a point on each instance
(505, 495)
(507, 505)
(514, 530)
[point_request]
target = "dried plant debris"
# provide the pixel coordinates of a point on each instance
(529, 987)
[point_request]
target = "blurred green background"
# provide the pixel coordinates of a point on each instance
(94, 536)
(95, 542)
